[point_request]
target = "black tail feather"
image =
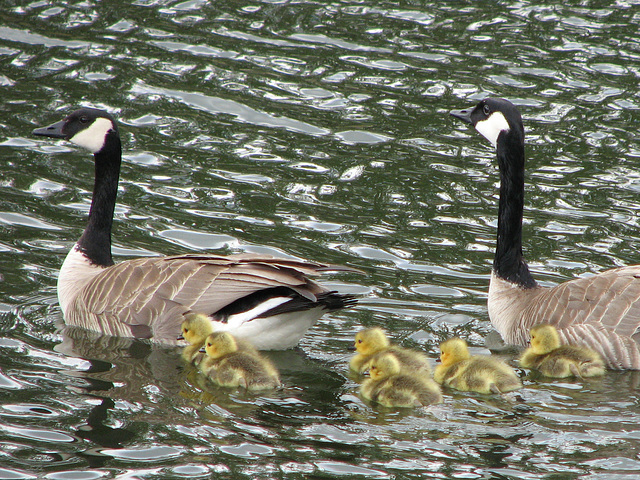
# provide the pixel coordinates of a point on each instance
(329, 301)
(336, 301)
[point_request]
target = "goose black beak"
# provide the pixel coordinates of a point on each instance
(54, 130)
(464, 115)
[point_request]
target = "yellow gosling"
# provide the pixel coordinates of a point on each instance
(478, 373)
(227, 366)
(389, 386)
(372, 341)
(196, 327)
(554, 360)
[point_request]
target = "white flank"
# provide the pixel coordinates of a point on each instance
(92, 138)
(75, 273)
(234, 321)
(491, 127)
(279, 332)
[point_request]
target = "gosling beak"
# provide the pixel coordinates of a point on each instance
(180, 337)
(54, 130)
(202, 350)
(464, 115)
(351, 348)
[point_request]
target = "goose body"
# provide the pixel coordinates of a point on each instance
(392, 385)
(552, 359)
(478, 373)
(227, 366)
(601, 312)
(268, 301)
(371, 342)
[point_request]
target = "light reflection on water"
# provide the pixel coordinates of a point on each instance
(313, 130)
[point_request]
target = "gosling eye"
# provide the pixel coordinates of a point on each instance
(185, 330)
(360, 341)
(486, 110)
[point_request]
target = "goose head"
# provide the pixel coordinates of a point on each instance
(453, 351)
(219, 344)
(494, 119)
(371, 340)
(89, 128)
(544, 339)
(384, 366)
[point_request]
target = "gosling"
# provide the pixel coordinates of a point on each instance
(372, 341)
(227, 366)
(478, 373)
(196, 327)
(389, 386)
(560, 361)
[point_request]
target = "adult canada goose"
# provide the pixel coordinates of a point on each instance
(268, 301)
(600, 311)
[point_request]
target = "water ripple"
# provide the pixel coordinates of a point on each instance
(313, 130)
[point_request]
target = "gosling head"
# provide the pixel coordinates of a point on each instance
(453, 351)
(544, 339)
(383, 366)
(371, 340)
(219, 344)
(196, 327)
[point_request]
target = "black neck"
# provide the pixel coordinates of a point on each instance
(95, 242)
(509, 263)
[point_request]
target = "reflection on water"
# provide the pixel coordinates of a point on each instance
(317, 130)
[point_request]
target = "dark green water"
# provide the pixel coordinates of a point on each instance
(318, 130)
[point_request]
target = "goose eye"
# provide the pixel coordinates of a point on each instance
(485, 109)
(84, 119)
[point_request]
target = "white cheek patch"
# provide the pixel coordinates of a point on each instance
(92, 138)
(492, 126)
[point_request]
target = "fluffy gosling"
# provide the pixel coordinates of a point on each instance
(554, 360)
(478, 373)
(372, 341)
(227, 366)
(196, 327)
(390, 387)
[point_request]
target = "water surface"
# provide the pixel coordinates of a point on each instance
(317, 130)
